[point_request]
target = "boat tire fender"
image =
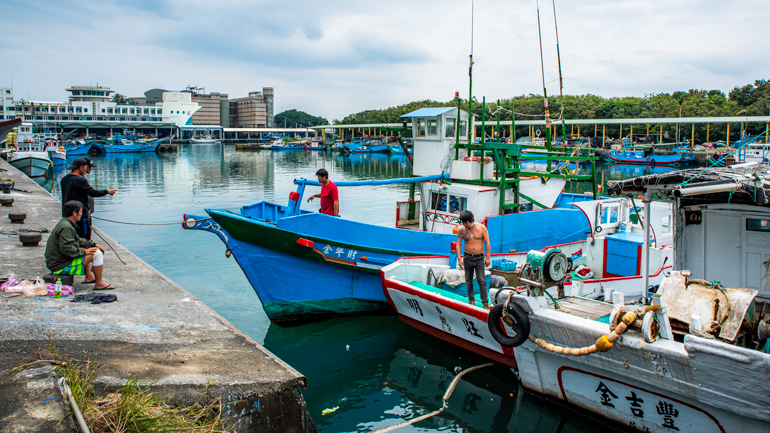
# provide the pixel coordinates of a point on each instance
(519, 317)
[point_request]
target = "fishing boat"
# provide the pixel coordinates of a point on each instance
(56, 152)
(366, 146)
(691, 354)
(205, 139)
(30, 155)
(315, 146)
(284, 145)
(650, 156)
(121, 145)
(78, 147)
(276, 244)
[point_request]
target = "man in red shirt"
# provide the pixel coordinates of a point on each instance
(330, 200)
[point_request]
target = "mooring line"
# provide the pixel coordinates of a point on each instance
(447, 394)
(144, 224)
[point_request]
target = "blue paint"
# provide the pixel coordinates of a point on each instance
(80, 325)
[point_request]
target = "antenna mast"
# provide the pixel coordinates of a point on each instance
(561, 80)
(470, 87)
(545, 92)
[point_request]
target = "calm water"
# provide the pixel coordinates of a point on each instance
(377, 370)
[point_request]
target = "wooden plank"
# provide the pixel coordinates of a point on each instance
(585, 308)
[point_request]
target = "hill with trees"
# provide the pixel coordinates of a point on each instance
(292, 118)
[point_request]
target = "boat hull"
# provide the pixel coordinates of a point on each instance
(205, 141)
(33, 164)
(639, 157)
(647, 387)
(130, 148)
(78, 149)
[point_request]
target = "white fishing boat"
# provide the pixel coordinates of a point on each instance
(30, 155)
(56, 151)
(693, 356)
(207, 139)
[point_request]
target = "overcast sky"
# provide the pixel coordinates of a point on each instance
(335, 57)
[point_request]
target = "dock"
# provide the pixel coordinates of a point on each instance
(155, 331)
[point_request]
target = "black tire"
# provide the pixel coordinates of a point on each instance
(519, 317)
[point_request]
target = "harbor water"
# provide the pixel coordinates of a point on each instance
(364, 373)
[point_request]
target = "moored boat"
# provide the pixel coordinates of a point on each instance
(30, 155)
(277, 244)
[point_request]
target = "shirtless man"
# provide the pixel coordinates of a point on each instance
(476, 239)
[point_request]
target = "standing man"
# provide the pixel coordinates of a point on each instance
(74, 186)
(476, 239)
(330, 199)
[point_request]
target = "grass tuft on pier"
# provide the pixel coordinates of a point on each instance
(134, 408)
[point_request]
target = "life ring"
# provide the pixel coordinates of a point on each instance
(519, 317)
(228, 253)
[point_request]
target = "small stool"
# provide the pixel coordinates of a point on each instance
(65, 279)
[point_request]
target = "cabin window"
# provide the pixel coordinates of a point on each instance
(757, 225)
(610, 214)
(665, 223)
(463, 128)
(420, 128)
(432, 128)
(457, 204)
(450, 128)
(438, 201)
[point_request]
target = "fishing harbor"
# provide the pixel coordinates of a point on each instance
(294, 273)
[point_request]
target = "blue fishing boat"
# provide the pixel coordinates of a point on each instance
(305, 265)
(647, 157)
(78, 147)
(398, 150)
(282, 145)
(366, 146)
(121, 145)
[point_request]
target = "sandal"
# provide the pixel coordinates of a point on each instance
(107, 287)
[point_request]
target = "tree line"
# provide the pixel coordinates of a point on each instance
(749, 100)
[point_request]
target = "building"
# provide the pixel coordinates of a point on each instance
(253, 111)
(215, 107)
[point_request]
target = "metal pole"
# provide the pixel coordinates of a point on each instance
(646, 244)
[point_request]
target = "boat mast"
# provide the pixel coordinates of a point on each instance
(470, 85)
(545, 92)
(561, 80)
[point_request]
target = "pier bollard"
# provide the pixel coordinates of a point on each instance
(6, 186)
(30, 239)
(17, 217)
(6, 201)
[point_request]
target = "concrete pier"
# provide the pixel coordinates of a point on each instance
(155, 331)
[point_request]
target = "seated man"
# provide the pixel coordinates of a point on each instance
(68, 254)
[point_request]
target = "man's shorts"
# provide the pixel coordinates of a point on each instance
(74, 268)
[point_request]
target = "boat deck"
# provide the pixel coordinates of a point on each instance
(586, 308)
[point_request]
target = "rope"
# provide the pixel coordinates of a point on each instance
(444, 405)
(603, 344)
(108, 244)
(145, 224)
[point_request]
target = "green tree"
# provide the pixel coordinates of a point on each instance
(290, 118)
(120, 99)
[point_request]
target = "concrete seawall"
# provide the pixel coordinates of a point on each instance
(155, 331)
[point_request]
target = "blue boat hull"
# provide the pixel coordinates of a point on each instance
(129, 148)
(314, 265)
(79, 149)
(639, 157)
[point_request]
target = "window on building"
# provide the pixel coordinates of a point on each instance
(450, 128)
(152, 111)
(420, 127)
(85, 110)
(160, 111)
(78, 109)
(62, 109)
(122, 111)
(146, 111)
(103, 110)
(37, 109)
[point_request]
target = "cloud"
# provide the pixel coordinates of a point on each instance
(337, 57)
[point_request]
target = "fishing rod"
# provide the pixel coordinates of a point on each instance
(561, 80)
(470, 86)
(545, 92)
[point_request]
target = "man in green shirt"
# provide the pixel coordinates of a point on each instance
(66, 253)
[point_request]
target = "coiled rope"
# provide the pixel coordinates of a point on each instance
(444, 405)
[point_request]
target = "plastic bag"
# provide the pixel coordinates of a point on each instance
(37, 288)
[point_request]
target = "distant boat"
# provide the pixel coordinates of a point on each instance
(127, 146)
(366, 146)
(282, 145)
(30, 155)
(207, 139)
(78, 147)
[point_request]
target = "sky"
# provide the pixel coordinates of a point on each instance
(337, 57)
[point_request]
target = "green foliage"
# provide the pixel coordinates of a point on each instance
(290, 118)
(121, 99)
(749, 100)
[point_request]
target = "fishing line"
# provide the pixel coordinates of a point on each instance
(108, 244)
